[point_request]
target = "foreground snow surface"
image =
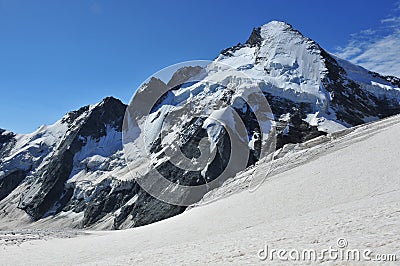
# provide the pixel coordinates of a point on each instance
(348, 187)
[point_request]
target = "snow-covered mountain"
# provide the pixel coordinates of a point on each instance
(333, 93)
(73, 173)
(347, 188)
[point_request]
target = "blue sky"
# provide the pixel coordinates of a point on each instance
(56, 56)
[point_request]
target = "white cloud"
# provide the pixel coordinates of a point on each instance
(391, 20)
(376, 49)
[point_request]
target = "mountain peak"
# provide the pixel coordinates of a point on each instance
(279, 55)
(275, 30)
(275, 24)
(110, 100)
(268, 30)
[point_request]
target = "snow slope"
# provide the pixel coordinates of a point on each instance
(347, 186)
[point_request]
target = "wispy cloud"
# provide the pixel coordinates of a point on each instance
(397, 8)
(376, 49)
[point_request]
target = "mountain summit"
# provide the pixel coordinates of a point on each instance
(336, 93)
(73, 173)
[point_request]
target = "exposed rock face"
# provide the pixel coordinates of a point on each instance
(74, 172)
(182, 75)
(351, 102)
(7, 140)
(10, 181)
